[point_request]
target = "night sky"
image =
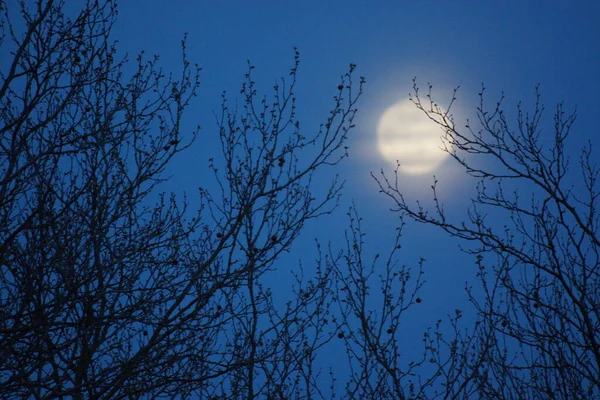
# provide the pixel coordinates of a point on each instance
(510, 46)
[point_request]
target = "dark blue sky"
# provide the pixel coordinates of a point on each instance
(509, 45)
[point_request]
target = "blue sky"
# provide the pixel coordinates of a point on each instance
(509, 45)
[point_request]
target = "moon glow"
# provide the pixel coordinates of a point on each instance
(405, 134)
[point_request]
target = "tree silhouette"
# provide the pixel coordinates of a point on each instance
(110, 288)
(532, 229)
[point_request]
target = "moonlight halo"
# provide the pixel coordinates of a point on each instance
(407, 135)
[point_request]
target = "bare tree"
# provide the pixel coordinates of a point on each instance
(532, 229)
(374, 293)
(110, 288)
(372, 302)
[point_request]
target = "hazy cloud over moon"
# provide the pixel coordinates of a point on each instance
(407, 135)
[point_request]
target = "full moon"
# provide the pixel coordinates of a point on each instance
(405, 134)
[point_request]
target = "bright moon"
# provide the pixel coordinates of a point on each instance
(407, 135)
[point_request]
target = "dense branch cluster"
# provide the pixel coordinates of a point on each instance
(110, 288)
